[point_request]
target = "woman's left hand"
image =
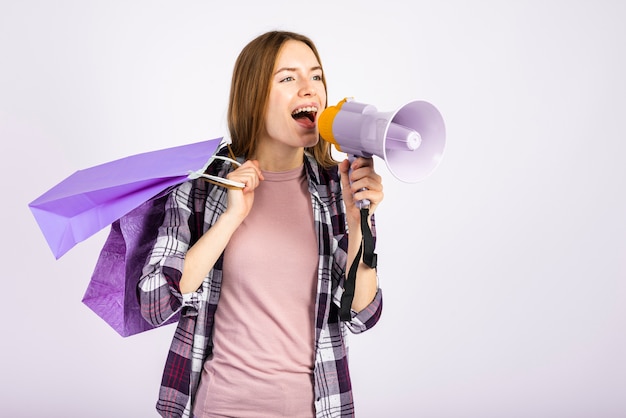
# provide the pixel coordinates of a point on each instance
(362, 183)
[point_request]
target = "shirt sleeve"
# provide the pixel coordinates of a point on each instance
(159, 292)
(368, 317)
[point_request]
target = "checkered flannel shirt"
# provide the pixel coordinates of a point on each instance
(191, 209)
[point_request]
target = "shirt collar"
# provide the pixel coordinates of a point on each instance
(312, 168)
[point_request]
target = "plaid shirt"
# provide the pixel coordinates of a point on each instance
(191, 209)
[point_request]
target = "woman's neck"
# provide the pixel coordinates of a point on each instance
(279, 159)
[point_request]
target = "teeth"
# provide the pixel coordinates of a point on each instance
(309, 109)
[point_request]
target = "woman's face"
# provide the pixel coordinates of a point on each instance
(297, 96)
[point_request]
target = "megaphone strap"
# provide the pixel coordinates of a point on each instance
(369, 257)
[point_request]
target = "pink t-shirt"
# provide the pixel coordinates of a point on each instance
(264, 332)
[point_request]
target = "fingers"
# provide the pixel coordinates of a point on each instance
(249, 173)
(344, 170)
(362, 181)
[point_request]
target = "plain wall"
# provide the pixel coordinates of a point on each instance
(504, 272)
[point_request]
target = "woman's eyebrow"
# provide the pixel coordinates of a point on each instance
(316, 68)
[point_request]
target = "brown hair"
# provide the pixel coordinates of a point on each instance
(249, 93)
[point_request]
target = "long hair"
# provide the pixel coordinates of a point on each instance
(250, 89)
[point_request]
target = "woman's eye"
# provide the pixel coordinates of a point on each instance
(317, 77)
(290, 78)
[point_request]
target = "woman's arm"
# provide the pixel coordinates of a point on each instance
(201, 257)
(174, 271)
(361, 183)
(366, 284)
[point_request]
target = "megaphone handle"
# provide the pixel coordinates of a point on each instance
(363, 203)
(369, 256)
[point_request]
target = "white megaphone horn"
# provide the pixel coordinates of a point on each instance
(410, 140)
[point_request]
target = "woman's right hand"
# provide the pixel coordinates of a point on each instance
(240, 200)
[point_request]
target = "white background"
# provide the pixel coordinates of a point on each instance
(504, 272)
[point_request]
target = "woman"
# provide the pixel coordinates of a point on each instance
(273, 254)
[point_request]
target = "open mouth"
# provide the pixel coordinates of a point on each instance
(309, 113)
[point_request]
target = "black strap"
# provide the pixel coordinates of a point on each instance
(369, 257)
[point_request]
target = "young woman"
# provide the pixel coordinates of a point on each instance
(257, 273)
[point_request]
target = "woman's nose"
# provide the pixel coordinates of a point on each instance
(307, 88)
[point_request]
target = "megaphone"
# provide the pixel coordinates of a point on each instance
(410, 139)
